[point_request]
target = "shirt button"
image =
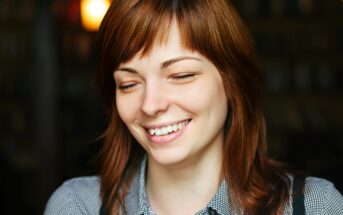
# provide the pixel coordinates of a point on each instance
(211, 211)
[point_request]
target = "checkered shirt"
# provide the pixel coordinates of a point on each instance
(80, 196)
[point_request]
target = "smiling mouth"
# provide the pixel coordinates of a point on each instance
(169, 129)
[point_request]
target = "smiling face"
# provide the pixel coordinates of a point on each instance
(173, 102)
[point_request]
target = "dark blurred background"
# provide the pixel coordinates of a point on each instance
(50, 116)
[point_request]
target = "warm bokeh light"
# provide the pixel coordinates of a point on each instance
(92, 12)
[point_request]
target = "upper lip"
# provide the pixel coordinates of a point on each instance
(160, 125)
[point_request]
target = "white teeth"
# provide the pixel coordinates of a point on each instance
(166, 130)
(151, 131)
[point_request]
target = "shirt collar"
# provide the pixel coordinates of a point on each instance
(144, 207)
(220, 202)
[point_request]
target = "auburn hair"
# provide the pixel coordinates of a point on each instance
(213, 28)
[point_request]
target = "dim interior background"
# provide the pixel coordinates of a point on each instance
(50, 116)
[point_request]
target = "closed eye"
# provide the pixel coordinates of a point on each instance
(126, 87)
(183, 76)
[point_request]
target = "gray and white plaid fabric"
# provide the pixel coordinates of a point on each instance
(80, 196)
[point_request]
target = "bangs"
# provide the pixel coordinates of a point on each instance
(145, 24)
(136, 26)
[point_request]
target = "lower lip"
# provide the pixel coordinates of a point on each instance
(169, 137)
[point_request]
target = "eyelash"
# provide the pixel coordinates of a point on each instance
(126, 87)
(183, 76)
(180, 76)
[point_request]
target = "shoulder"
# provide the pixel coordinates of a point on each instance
(75, 196)
(321, 197)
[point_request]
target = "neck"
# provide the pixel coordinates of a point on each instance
(188, 186)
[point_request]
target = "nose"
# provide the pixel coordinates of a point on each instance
(155, 100)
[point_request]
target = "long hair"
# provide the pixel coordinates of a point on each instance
(214, 29)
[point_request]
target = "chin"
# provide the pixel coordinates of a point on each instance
(168, 158)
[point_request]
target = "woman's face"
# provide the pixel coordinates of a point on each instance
(173, 102)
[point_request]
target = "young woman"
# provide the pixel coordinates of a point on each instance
(187, 134)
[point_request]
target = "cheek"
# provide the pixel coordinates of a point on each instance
(126, 108)
(189, 97)
(204, 96)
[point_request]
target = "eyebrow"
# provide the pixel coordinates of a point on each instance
(175, 60)
(126, 69)
(164, 64)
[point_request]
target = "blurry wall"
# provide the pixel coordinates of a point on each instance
(50, 115)
(50, 118)
(300, 46)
